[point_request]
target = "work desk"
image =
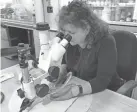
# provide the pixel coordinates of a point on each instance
(106, 101)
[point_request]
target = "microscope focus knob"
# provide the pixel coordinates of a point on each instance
(41, 90)
(53, 73)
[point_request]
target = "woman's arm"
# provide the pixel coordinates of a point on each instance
(107, 60)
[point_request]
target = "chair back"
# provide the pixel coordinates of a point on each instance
(126, 43)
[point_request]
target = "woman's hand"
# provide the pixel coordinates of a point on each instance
(72, 89)
(63, 94)
(63, 88)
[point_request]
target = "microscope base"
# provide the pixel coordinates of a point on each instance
(15, 101)
(60, 106)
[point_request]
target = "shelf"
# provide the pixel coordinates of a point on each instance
(21, 24)
(15, 38)
(132, 24)
(119, 5)
(17, 23)
(126, 4)
(103, 6)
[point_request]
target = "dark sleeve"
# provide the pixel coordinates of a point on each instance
(107, 59)
(64, 60)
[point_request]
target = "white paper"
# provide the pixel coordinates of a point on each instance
(6, 76)
(55, 106)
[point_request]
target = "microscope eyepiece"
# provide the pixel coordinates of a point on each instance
(68, 37)
(60, 35)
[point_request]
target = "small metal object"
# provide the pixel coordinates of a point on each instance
(50, 9)
(80, 90)
(21, 93)
(2, 97)
(26, 103)
(41, 26)
(21, 45)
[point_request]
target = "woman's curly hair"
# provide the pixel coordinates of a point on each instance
(76, 13)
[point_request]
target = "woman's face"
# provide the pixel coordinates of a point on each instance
(78, 34)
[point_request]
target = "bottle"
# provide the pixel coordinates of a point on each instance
(102, 2)
(97, 2)
(94, 3)
(129, 17)
(117, 14)
(112, 14)
(106, 13)
(122, 16)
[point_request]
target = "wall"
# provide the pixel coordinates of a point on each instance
(52, 18)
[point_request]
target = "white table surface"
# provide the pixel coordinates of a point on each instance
(106, 101)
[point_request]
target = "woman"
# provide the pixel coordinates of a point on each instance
(91, 55)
